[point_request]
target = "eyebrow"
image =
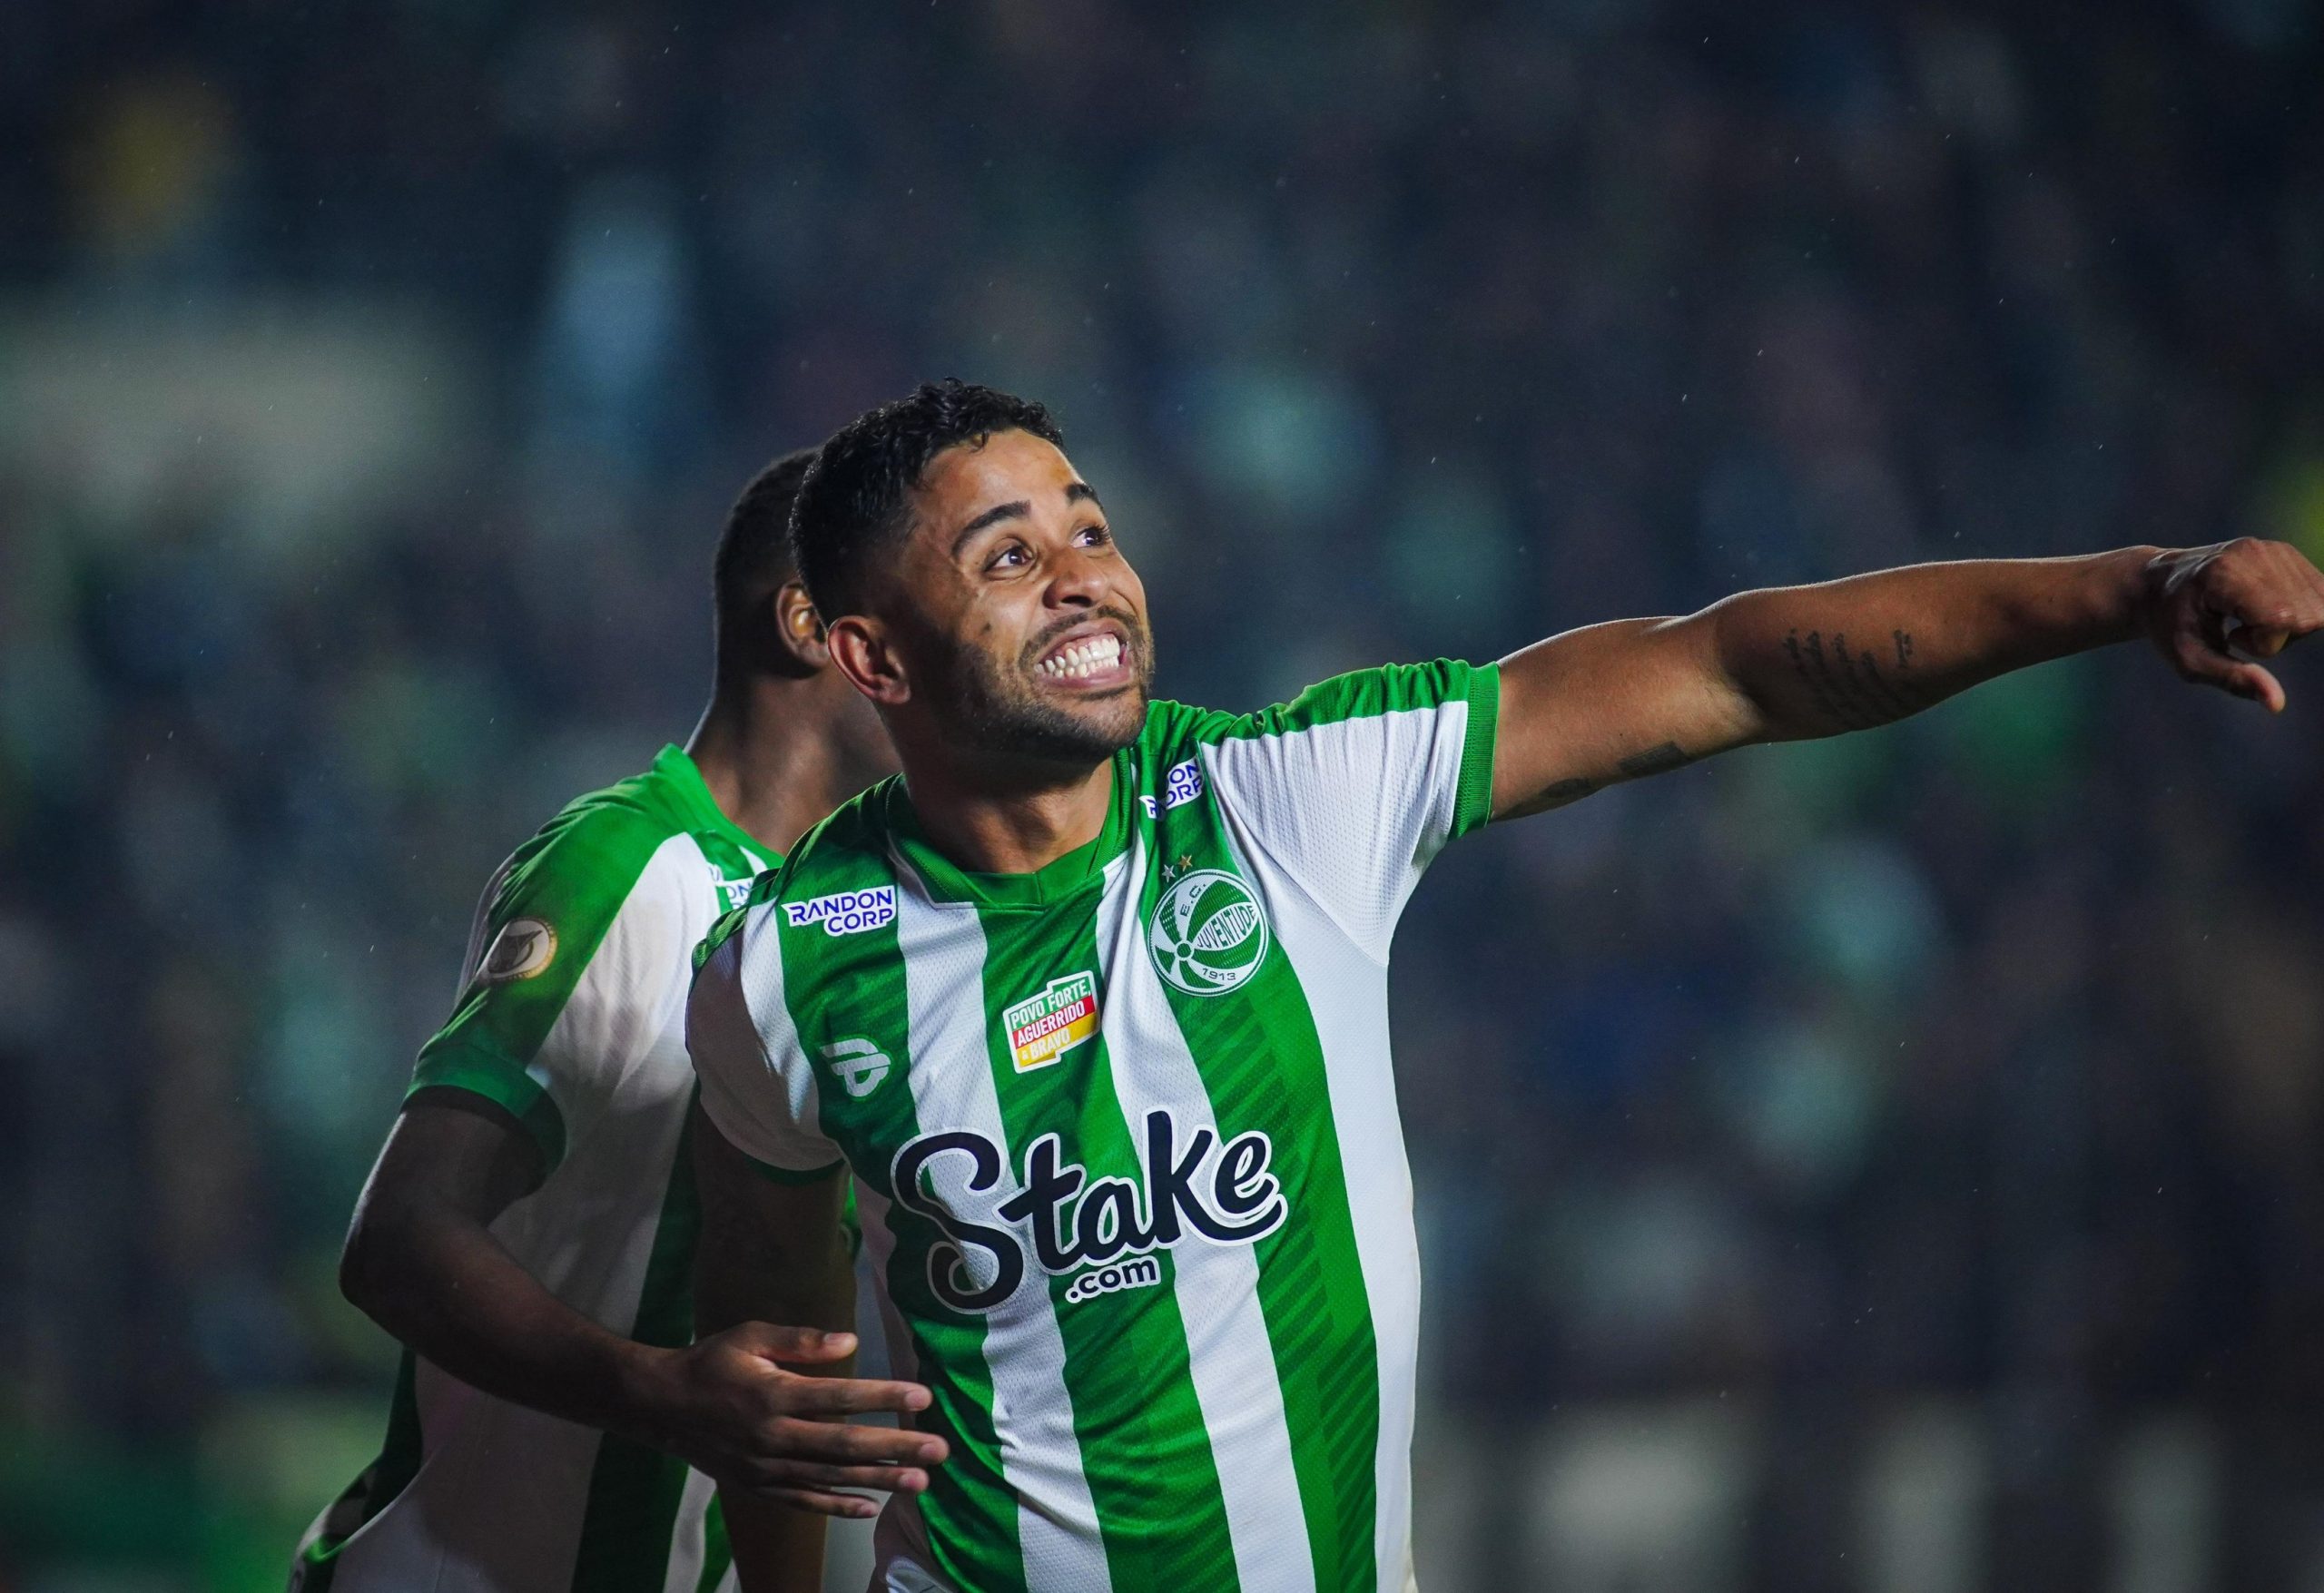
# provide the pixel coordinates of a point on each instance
(1074, 492)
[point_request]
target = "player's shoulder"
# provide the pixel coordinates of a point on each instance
(844, 864)
(593, 850)
(1172, 729)
(847, 841)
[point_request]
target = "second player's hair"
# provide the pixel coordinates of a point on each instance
(854, 504)
(753, 557)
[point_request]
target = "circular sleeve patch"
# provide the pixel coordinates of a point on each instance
(523, 948)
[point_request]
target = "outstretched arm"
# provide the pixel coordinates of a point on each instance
(1637, 697)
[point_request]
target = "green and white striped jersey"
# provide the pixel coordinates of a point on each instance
(1123, 1132)
(571, 1016)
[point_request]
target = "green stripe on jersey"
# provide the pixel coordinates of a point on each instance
(717, 1549)
(844, 993)
(1145, 1450)
(634, 1491)
(1262, 1065)
(381, 1482)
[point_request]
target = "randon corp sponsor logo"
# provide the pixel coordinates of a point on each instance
(847, 912)
(1181, 785)
(1138, 1273)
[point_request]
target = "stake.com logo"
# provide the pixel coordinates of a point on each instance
(1220, 1193)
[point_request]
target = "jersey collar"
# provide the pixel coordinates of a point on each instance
(701, 811)
(1061, 879)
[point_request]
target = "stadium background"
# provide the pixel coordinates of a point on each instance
(1887, 1165)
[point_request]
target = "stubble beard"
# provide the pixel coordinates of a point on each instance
(1000, 710)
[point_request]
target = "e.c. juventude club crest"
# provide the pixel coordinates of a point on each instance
(1208, 934)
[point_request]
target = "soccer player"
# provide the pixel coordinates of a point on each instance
(529, 1230)
(1092, 1002)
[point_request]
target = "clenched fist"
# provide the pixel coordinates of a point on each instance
(2205, 606)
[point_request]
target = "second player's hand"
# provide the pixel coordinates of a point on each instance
(729, 1406)
(2205, 604)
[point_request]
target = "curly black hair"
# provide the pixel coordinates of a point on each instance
(852, 502)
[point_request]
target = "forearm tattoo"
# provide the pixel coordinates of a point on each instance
(1852, 688)
(1658, 759)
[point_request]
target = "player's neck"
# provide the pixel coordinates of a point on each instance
(773, 755)
(1008, 827)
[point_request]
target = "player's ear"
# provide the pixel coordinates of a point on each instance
(798, 628)
(861, 650)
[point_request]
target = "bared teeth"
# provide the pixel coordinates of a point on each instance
(1084, 657)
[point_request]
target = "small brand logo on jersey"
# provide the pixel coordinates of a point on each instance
(1044, 1027)
(735, 891)
(1181, 785)
(860, 1064)
(1189, 1185)
(1208, 934)
(850, 912)
(523, 948)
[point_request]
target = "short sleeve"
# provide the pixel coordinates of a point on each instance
(1353, 787)
(757, 1088)
(577, 959)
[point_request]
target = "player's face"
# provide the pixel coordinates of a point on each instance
(1041, 646)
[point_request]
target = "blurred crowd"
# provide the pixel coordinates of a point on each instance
(1981, 1058)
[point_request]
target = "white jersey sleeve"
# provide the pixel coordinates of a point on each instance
(1353, 788)
(757, 1088)
(575, 967)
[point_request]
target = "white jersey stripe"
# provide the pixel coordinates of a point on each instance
(781, 1128)
(899, 1545)
(685, 1569)
(1218, 1285)
(879, 1248)
(1350, 1004)
(1378, 765)
(942, 949)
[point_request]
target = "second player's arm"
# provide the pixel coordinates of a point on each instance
(1617, 702)
(421, 1261)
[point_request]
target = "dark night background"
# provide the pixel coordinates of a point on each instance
(1889, 1164)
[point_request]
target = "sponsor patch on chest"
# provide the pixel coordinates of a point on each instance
(1042, 1029)
(1181, 785)
(847, 912)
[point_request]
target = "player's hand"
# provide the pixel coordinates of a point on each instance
(2212, 610)
(729, 1406)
